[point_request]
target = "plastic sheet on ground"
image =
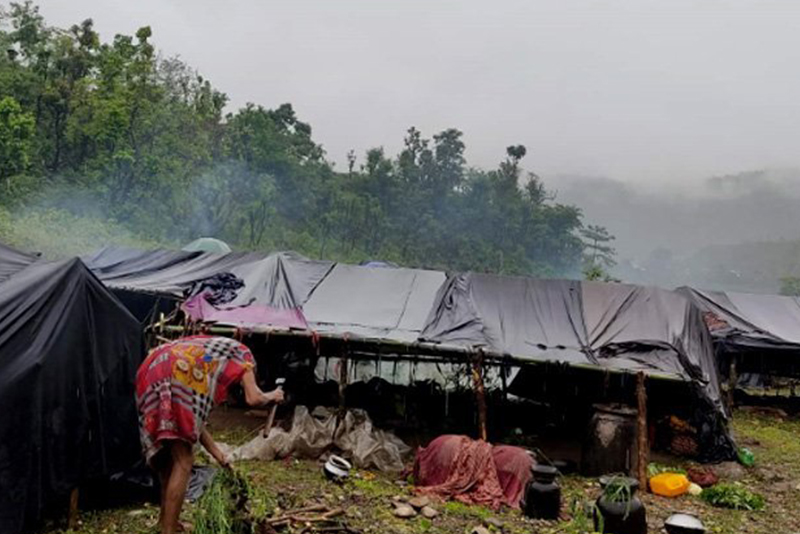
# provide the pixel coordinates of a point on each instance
(313, 434)
(473, 472)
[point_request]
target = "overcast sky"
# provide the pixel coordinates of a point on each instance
(640, 90)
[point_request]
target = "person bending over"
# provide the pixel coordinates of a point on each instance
(177, 385)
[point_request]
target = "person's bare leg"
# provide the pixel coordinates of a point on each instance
(163, 465)
(182, 459)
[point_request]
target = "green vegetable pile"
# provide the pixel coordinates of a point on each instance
(223, 508)
(736, 496)
(654, 469)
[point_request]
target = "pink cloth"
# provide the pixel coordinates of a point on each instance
(473, 472)
(199, 309)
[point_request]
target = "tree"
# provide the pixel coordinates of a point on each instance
(596, 239)
(16, 135)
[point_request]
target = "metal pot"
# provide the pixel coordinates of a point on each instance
(684, 524)
(337, 468)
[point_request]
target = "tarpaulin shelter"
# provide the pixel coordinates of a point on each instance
(419, 315)
(616, 327)
(13, 260)
(762, 331)
(68, 354)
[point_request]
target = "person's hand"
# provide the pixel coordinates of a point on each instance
(224, 461)
(276, 396)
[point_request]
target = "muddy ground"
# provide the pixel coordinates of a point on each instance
(367, 498)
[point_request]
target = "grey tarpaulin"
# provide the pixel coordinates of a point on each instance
(13, 260)
(376, 302)
(749, 321)
(162, 271)
(280, 280)
(615, 326)
(608, 325)
(68, 356)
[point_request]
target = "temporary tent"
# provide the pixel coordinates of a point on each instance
(589, 324)
(403, 312)
(68, 354)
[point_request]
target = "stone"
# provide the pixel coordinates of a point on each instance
(404, 511)
(480, 530)
(729, 471)
(419, 502)
(428, 512)
(494, 522)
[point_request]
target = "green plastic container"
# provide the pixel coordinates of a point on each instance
(746, 457)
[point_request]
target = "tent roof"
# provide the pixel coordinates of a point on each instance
(616, 326)
(164, 271)
(746, 320)
(13, 260)
(375, 302)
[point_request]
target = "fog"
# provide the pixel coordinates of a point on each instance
(673, 124)
(640, 91)
(729, 232)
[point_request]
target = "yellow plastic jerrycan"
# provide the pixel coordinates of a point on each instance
(669, 484)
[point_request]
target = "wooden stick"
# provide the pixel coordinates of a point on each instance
(480, 394)
(343, 377)
(643, 452)
(72, 517)
(733, 378)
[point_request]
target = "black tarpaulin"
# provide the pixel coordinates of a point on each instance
(608, 325)
(373, 302)
(13, 260)
(743, 321)
(162, 271)
(638, 327)
(611, 326)
(525, 317)
(68, 355)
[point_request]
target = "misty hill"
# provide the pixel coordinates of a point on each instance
(737, 232)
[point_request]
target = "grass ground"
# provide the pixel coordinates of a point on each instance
(366, 498)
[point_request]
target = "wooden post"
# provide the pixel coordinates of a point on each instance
(72, 517)
(480, 394)
(733, 378)
(343, 378)
(642, 445)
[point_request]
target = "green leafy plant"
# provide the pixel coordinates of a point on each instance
(654, 469)
(224, 506)
(736, 496)
(618, 490)
(582, 514)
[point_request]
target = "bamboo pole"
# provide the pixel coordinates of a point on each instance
(642, 445)
(364, 348)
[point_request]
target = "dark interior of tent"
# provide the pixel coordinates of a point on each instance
(545, 405)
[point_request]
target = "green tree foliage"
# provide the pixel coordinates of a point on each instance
(16, 140)
(119, 144)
